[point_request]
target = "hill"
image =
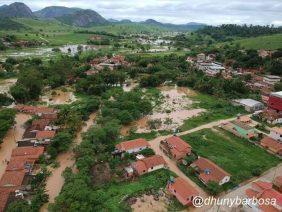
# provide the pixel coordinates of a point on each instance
(175, 27)
(55, 12)
(83, 18)
(16, 10)
(270, 42)
(8, 24)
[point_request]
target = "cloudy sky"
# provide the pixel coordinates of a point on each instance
(177, 11)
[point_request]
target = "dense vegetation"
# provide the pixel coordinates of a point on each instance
(7, 118)
(225, 31)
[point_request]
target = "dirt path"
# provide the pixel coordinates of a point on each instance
(55, 182)
(9, 142)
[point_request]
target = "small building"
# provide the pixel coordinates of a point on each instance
(133, 146)
(263, 190)
(272, 116)
(276, 133)
(240, 129)
(182, 190)
(210, 172)
(149, 164)
(271, 79)
(275, 101)
(12, 179)
(32, 152)
(271, 144)
(277, 184)
(45, 136)
(175, 147)
(250, 105)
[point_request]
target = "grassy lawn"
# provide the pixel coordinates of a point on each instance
(117, 192)
(270, 42)
(216, 109)
(237, 156)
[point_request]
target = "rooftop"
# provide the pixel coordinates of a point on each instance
(209, 171)
(32, 152)
(248, 102)
(45, 134)
(133, 144)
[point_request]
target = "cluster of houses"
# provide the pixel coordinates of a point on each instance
(261, 190)
(99, 64)
(23, 164)
(176, 149)
(273, 141)
(243, 127)
(207, 64)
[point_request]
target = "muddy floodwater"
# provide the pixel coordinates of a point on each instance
(56, 181)
(58, 97)
(9, 141)
(46, 51)
(176, 107)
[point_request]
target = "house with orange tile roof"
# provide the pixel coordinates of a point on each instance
(208, 171)
(133, 146)
(182, 190)
(277, 184)
(175, 147)
(12, 179)
(18, 163)
(4, 197)
(276, 133)
(149, 164)
(46, 135)
(31, 152)
(263, 190)
(272, 145)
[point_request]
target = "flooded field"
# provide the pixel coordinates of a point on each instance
(45, 51)
(176, 107)
(6, 84)
(9, 142)
(149, 203)
(59, 96)
(55, 182)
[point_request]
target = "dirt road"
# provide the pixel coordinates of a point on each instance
(55, 182)
(9, 142)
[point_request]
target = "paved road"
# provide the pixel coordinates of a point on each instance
(268, 176)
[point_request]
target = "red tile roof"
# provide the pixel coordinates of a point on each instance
(19, 163)
(143, 165)
(209, 171)
(179, 148)
(4, 197)
(39, 124)
(12, 178)
(134, 144)
(50, 116)
(263, 192)
(182, 190)
(45, 134)
(32, 152)
(272, 144)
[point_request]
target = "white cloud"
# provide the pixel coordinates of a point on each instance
(177, 11)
